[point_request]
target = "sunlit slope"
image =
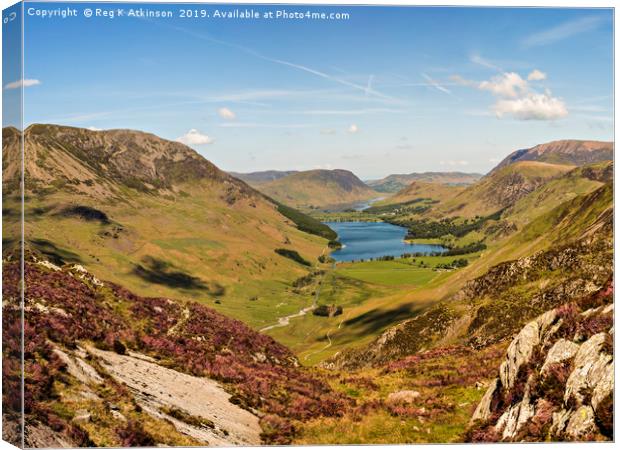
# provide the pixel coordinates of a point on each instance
(397, 182)
(420, 290)
(424, 190)
(581, 180)
(318, 188)
(567, 152)
(154, 216)
(565, 253)
(501, 188)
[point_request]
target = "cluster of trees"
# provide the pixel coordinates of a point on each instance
(306, 223)
(327, 310)
(326, 259)
(456, 264)
(334, 244)
(411, 206)
(292, 254)
(470, 248)
(431, 229)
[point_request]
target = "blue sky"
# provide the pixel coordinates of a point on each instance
(390, 90)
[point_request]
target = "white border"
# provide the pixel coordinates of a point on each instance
(483, 3)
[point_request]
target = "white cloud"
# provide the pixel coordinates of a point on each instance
(226, 113)
(19, 83)
(194, 137)
(508, 84)
(562, 31)
(353, 129)
(516, 98)
(94, 129)
(532, 106)
(536, 75)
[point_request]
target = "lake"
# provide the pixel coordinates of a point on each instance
(364, 240)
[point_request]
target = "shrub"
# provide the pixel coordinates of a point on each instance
(276, 431)
(132, 434)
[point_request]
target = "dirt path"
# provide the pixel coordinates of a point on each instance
(329, 340)
(155, 387)
(286, 320)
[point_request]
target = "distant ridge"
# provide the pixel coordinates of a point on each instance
(261, 177)
(397, 182)
(318, 188)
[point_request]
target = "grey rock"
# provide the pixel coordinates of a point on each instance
(581, 423)
(591, 367)
(521, 348)
(82, 416)
(403, 397)
(483, 410)
(561, 351)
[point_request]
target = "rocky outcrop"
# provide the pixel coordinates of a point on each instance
(146, 372)
(494, 306)
(556, 381)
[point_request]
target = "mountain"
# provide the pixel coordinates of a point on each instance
(318, 188)
(568, 255)
(569, 152)
(156, 217)
(396, 182)
(258, 178)
(501, 188)
(420, 189)
(107, 367)
(581, 180)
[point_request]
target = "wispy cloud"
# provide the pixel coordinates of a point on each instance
(22, 83)
(477, 59)
(264, 125)
(436, 84)
(368, 90)
(562, 31)
(349, 112)
(353, 129)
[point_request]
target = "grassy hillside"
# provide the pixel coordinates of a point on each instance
(397, 182)
(156, 217)
(567, 152)
(419, 189)
(501, 188)
(581, 180)
(318, 189)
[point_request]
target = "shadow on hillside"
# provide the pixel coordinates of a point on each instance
(375, 320)
(85, 213)
(53, 253)
(159, 271)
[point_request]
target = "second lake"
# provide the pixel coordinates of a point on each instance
(364, 240)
